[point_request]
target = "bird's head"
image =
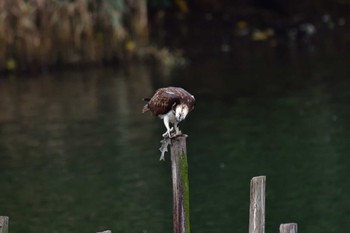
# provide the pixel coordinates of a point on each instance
(181, 111)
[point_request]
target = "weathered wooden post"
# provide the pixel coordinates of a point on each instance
(289, 228)
(257, 205)
(4, 224)
(181, 209)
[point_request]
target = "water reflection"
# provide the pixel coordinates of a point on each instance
(71, 158)
(77, 154)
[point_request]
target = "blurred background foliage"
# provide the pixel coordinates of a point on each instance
(38, 34)
(41, 33)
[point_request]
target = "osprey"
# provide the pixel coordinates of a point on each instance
(172, 104)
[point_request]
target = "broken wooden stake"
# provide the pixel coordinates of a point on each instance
(289, 228)
(257, 205)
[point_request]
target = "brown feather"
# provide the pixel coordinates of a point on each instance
(165, 99)
(145, 108)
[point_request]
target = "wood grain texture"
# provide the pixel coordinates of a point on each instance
(257, 205)
(181, 215)
(4, 224)
(289, 228)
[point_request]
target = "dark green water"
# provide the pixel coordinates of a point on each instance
(76, 154)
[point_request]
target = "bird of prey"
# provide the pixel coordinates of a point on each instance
(172, 104)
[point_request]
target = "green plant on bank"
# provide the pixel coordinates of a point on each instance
(39, 33)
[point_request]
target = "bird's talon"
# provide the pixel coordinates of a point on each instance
(171, 134)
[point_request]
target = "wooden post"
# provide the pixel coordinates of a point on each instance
(181, 209)
(4, 224)
(289, 228)
(257, 205)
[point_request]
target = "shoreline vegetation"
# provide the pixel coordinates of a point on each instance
(39, 34)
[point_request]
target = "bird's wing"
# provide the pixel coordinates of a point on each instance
(185, 97)
(163, 101)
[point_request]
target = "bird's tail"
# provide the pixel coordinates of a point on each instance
(146, 107)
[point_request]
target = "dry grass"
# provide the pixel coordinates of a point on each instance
(39, 33)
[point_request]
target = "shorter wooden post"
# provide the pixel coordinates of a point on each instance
(289, 228)
(257, 205)
(4, 224)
